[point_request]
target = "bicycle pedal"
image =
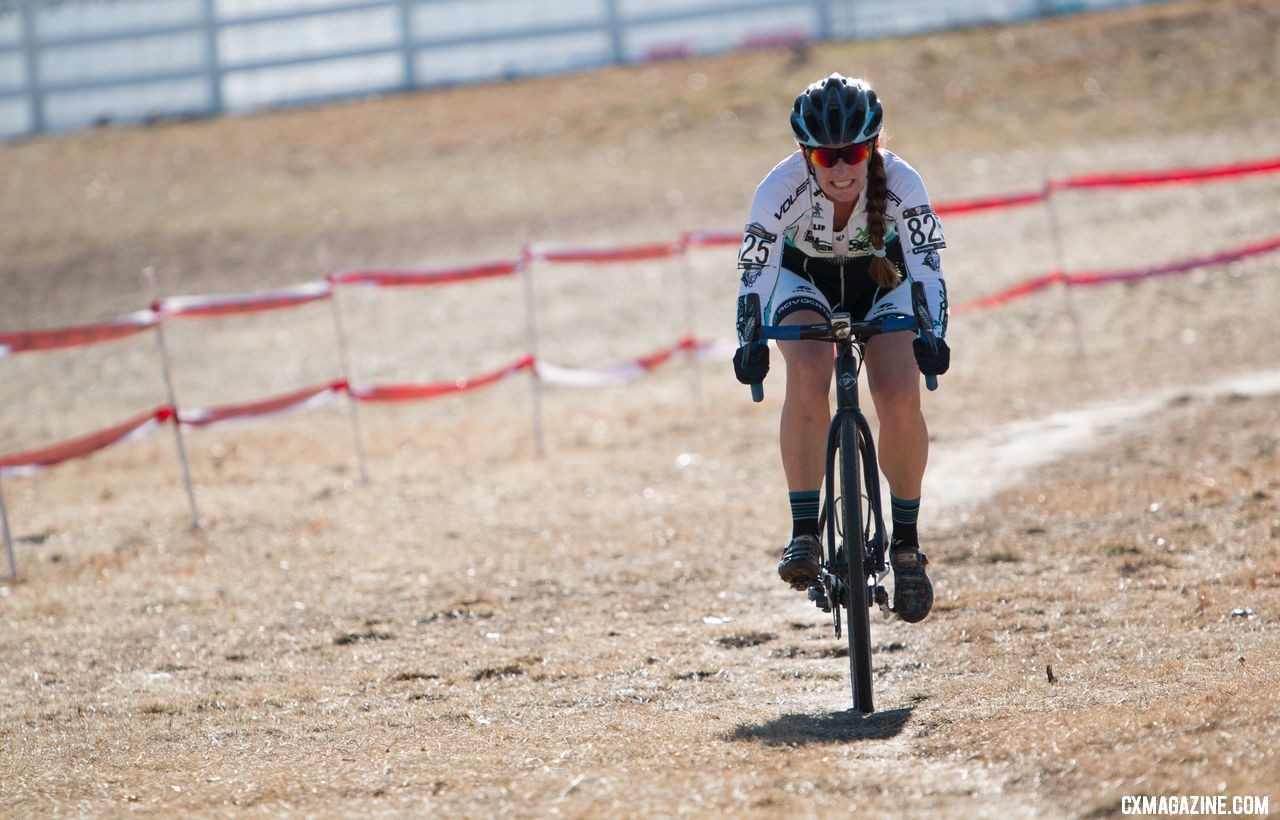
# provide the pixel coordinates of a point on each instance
(881, 598)
(819, 597)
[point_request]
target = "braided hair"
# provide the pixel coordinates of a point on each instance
(883, 272)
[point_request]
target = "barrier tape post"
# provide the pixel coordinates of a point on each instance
(531, 344)
(1060, 265)
(344, 361)
(691, 352)
(8, 539)
(149, 275)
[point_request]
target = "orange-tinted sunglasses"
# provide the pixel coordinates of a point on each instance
(852, 154)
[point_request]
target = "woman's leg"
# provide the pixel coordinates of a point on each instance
(894, 380)
(806, 410)
(806, 414)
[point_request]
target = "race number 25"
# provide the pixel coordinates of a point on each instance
(756, 244)
(924, 231)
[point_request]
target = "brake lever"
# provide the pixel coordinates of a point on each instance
(924, 325)
(751, 332)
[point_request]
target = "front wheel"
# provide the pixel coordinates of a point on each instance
(849, 469)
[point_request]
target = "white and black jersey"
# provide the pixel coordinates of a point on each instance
(790, 209)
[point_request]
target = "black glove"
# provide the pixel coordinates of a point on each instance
(751, 362)
(932, 364)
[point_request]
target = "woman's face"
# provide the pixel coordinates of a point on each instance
(842, 182)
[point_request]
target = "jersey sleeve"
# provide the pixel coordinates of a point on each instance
(920, 233)
(760, 254)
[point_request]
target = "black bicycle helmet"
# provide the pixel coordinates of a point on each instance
(836, 111)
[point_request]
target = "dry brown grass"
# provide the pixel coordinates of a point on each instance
(482, 632)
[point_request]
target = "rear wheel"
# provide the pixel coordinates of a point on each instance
(853, 526)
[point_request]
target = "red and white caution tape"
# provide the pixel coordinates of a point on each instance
(1030, 286)
(696, 239)
(32, 461)
(716, 349)
(633, 253)
(417, 392)
(404, 278)
(204, 306)
(1182, 266)
(1009, 294)
(303, 399)
(53, 339)
(990, 203)
(1170, 176)
(1001, 201)
(222, 305)
(618, 373)
(711, 239)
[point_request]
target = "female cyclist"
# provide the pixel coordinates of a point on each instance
(836, 227)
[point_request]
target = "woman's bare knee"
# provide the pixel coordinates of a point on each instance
(809, 371)
(897, 396)
(892, 375)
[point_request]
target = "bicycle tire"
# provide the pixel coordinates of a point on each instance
(858, 623)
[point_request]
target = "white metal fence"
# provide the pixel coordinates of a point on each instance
(66, 64)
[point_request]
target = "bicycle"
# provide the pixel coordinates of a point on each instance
(851, 508)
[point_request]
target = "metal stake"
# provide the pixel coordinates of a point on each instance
(531, 344)
(148, 274)
(345, 362)
(1060, 263)
(8, 539)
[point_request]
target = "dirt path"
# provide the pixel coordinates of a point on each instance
(634, 654)
(969, 472)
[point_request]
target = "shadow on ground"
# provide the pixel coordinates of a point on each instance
(839, 727)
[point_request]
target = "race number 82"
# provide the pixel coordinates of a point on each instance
(924, 230)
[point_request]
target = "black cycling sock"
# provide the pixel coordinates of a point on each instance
(804, 513)
(905, 514)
